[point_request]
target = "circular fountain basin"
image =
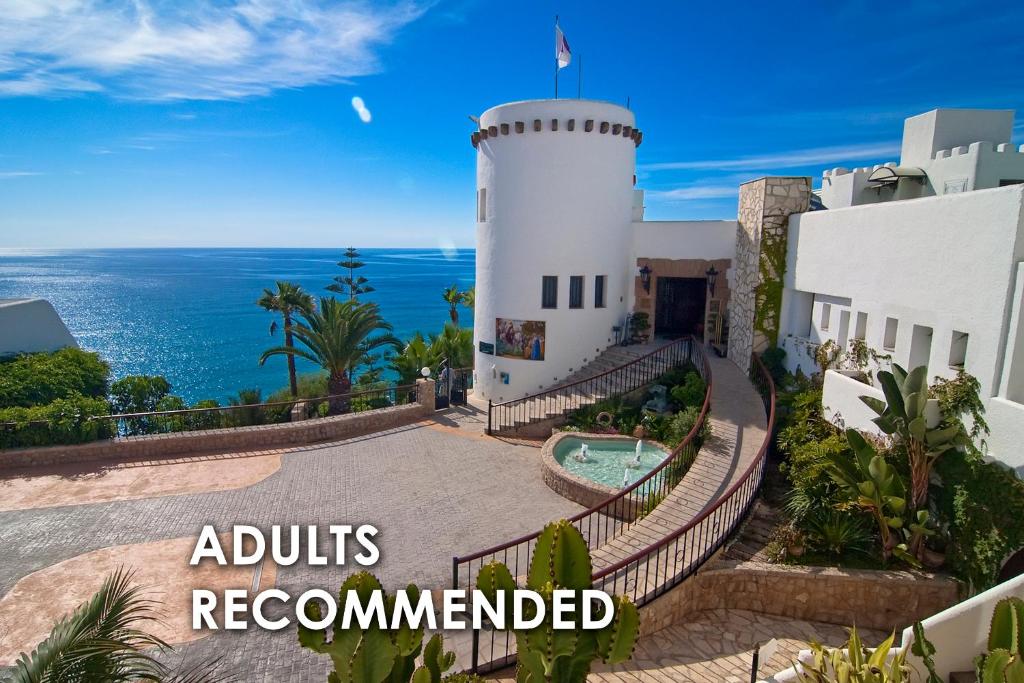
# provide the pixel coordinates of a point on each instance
(600, 477)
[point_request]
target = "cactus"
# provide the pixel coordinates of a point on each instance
(1004, 661)
(561, 560)
(375, 655)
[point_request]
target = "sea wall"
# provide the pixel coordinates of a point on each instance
(261, 437)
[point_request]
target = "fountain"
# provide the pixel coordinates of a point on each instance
(583, 455)
(635, 462)
(625, 478)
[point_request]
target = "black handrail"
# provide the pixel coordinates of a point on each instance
(508, 415)
(657, 568)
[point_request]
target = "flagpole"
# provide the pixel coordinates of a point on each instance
(579, 79)
(556, 61)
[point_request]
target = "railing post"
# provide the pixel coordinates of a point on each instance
(455, 573)
(490, 409)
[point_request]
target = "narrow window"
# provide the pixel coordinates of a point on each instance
(575, 291)
(826, 314)
(892, 326)
(844, 329)
(861, 330)
(549, 292)
(920, 346)
(599, 290)
(958, 350)
(481, 205)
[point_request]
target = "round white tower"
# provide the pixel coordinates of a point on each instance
(554, 208)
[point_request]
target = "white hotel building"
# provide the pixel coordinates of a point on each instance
(921, 259)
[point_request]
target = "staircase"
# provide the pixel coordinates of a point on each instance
(617, 370)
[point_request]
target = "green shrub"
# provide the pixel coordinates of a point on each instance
(680, 424)
(691, 392)
(138, 393)
(60, 422)
(37, 379)
(983, 504)
(774, 362)
(206, 420)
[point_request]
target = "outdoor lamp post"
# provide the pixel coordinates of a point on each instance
(645, 277)
(712, 276)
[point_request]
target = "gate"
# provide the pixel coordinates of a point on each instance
(452, 387)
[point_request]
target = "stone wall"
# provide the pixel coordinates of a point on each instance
(227, 440)
(764, 209)
(884, 600)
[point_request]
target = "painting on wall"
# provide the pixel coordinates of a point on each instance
(522, 339)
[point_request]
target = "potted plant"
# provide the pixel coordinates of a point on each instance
(641, 326)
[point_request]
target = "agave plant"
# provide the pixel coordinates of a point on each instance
(902, 416)
(855, 663)
(105, 640)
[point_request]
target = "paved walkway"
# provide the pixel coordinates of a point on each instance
(434, 491)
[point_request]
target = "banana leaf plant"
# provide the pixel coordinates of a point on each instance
(873, 485)
(902, 416)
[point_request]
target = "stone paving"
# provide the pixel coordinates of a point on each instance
(432, 492)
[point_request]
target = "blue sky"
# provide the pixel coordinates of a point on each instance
(178, 123)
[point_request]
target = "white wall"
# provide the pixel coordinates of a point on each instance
(558, 203)
(840, 400)
(684, 239)
(949, 263)
(31, 325)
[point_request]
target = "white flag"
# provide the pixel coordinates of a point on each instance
(562, 54)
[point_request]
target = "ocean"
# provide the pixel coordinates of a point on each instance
(191, 314)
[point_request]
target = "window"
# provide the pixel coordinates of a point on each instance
(892, 326)
(481, 205)
(549, 292)
(599, 290)
(844, 329)
(958, 350)
(920, 346)
(826, 314)
(861, 330)
(575, 291)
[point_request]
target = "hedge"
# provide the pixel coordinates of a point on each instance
(38, 379)
(61, 422)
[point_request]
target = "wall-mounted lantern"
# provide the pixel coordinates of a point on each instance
(712, 276)
(645, 277)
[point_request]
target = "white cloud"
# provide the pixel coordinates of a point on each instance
(149, 49)
(6, 175)
(800, 157)
(695, 191)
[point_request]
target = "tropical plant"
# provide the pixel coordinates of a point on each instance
(350, 284)
(469, 298)
(870, 483)
(454, 343)
(925, 651)
(902, 416)
(453, 297)
(855, 663)
(561, 561)
(375, 654)
(248, 411)
(104, 640)
(33, 379)
(290, 300)
(837, 532)
(414, 356)
(334, 337)
(1004, 660)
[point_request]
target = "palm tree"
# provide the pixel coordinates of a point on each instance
(289, 300)
(455, 344)
(469, 298)
(336, 337)
(453, 297)
(415, 356)
(103, 640)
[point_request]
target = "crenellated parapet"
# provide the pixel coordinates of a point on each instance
(555, 125)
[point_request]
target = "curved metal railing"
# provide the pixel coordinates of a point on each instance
(508, 415)
(657, 568)
(607, 520)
